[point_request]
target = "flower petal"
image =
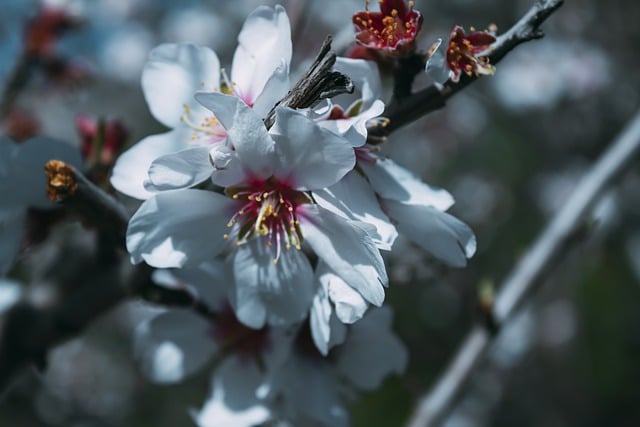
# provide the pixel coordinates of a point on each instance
(173, 346)
(371, 335)
(178, 170)
(326, 330)
(173, 74)
(392, 181)
(347, 249)
(274, 90)
(177, 228)
(354, 129)
(266, 291)
(10, 293)
(263, 44)
(353, 198)
(308, 156)
(443, 235)
(437, 67)
(366, 78)
(245, 132)
(131, 169)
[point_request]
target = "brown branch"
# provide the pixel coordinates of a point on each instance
(527, 274)
(408, 109)
(318, 83)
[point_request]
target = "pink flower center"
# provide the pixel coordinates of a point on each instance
(269, 211)
(393, 26)
(206, 131)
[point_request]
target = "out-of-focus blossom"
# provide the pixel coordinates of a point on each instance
(20, 125)
(101, 141)
(266, 213)
(175, 72)
(462, 55)
(46, 28)
(23, 185)
(392, 30)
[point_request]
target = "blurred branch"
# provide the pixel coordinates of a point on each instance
(407, 109)
(526, 276)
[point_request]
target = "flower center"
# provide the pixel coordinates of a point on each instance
(205, 131)
(269, 211)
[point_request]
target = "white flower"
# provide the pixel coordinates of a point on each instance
(175, 72)
(23, 185)
(311, 390)
(266, 214)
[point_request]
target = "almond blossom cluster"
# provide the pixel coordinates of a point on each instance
(281, 229)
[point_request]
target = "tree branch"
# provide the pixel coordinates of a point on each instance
(526, 276)
(408, 109)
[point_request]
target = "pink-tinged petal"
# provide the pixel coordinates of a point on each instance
(347, 249)
(182, 169)
(391, 181)
(349, 304)
(172, 75)
(173, 346)
(353, 198)
(245, 132)
(354, 129)
(269, 292)
(308, 157)
(23, 183)
(443, 235)
(263, 44)
(178, 228)
(371, 335)
(11, 228)
(131, 169)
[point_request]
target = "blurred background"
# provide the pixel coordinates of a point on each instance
(510, 148)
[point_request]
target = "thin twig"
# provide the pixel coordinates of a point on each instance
(526, 276)
(319, 82)
(408, 109)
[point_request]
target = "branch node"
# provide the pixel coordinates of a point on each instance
(61, 180)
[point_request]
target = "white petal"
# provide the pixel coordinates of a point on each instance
(319, 319)
(263, 44)
(131, 169)
(216, 412)
(437, 67)
(371, 335)
(274, 90)
(349, 304)
(178, 170)
(245, 132)
(11, 229)
(173, 346)
(365, 76)
(178, 227)
(277, 293)
(233, 402)
(347, 249)
(173, 74)
(24, 183)
(443, 235)
(353, 198)
(354, 129)
(207, 281)
(10, 293)
(392, 181)
(308, 156)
